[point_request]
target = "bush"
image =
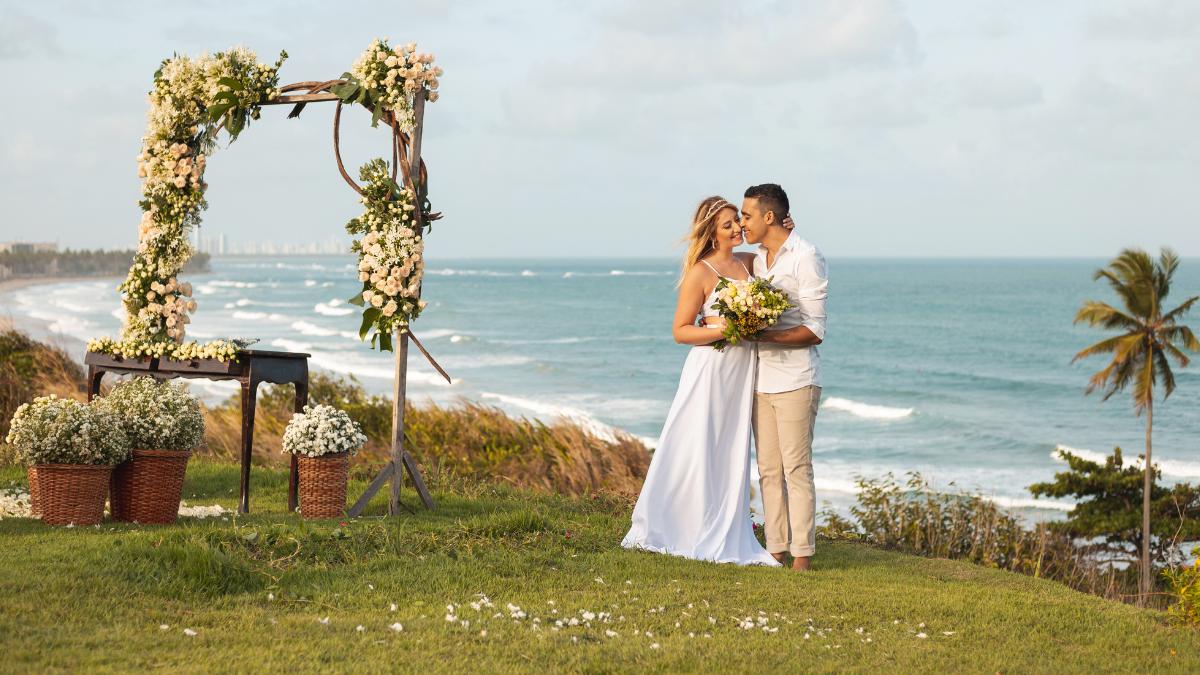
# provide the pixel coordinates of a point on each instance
(53, 430)
(156, 416)
(1183, 584)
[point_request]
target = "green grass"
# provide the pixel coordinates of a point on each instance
(94, 598)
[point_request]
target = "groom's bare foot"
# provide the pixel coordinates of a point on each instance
(781, 557)
(802, 564)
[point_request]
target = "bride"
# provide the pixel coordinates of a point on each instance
(695, 502)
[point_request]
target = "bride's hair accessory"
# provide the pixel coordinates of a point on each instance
(714, 209)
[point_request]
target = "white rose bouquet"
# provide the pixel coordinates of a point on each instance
(156, 416)
(53, 430)
(322, 430)
(748, 307)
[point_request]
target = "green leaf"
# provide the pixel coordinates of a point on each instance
(227, 96)
(369, 317)
(217, 111)
(378, 112)
(344, 91)
(385, 342)
(231, 83)
(357, 300)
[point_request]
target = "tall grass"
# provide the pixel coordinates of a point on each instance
(466, 439)
(911, 517)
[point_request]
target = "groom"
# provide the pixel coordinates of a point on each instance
(788, 386)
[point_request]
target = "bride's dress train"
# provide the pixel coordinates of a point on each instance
(696, 499)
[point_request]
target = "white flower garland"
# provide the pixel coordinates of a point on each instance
(322, 430)
(192, 100)
(390, 256)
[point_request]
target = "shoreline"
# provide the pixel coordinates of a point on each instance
(17, 283)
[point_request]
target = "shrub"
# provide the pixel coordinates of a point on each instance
(158, 416)
(1183, 584)
(53, 430)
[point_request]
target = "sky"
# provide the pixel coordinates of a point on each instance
(932, 128)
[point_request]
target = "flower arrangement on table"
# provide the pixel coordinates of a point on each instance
(749, 307)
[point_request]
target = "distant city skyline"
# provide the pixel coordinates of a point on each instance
(937, 128)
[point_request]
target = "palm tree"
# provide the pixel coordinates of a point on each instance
(1140, 352)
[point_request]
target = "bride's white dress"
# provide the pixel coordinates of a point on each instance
(695, 501)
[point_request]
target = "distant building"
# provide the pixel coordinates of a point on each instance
(28, 247)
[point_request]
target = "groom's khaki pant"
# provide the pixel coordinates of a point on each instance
(783, 432)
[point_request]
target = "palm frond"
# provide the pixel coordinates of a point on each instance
(1096, 313)
(1180, 334)
(1143, 383)
(1168, 262)
(1120, 345)
(1163, 372)
(1182, 309)
(1175, 353)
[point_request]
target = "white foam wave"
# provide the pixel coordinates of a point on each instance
(258, 316)
(866, 410)
(551, 412)
(310, 282)
(528, 273)
(291, 345)
(435, 334)
(450, 272)
(312, 329)
(1169, 467)
(232, 284)
(1029, 503)
(334, 307)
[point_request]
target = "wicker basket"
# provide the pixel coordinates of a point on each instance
(147, 487)
(72, 493)
(35, 509)
(323, 485)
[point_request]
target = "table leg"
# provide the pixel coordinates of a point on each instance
(249, 400)
(94, 377)
(294, 472)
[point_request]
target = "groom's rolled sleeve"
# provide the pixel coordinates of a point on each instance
(812, 289)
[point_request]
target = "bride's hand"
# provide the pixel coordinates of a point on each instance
(788, 223)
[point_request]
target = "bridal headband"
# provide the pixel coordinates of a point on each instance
(717, 206)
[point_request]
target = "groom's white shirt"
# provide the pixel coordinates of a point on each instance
(798, 270)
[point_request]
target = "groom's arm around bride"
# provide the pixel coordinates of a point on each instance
(788, 385)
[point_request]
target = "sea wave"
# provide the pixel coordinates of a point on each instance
(312, 329)
(1169, 467)
(552, 412)
(451, 272)
(259, 316)
(334, 307)
(867, 410)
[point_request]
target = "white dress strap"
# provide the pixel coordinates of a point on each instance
(748, 274)
(711, 268)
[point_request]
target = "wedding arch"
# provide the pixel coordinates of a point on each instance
(192, 101)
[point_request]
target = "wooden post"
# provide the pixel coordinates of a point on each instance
(400, 390)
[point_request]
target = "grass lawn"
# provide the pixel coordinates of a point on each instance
(270, 592)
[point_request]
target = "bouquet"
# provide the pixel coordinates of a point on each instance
(749, 307)
(322, 430)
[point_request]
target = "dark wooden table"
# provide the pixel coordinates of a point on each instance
(251, 368)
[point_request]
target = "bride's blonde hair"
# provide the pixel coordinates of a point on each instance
(704, 230)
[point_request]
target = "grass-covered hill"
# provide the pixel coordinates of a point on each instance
(501, 579)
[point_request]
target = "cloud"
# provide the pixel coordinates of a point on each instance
(999, 91)
(878, 107)
(22, 35)
(772, 43)
(1146, 20)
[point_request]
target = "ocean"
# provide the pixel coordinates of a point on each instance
(958, 369)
